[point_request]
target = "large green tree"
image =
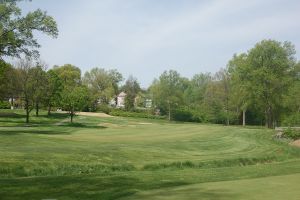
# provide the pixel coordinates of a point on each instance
(168, 91)
(103, 84)
(28, 83)
(240, 84)
(292, 100)
(269, 75)
(74, 95)
(17, 30)
(4, 78)
(39, 80)
(74, 99)
(53, 90)
(69, 74)
(195, 92)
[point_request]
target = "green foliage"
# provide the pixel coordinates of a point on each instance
(269, 65)
(53, 90)
(183, 115)
(104, 108)
(103, 84)
(69, 74)
(3, 78)
(197, 88)
(292, 133)
(131, 88)
(16, 30)
(168, 91)
(74, 99)
(292, 119)
(139, 114)
(4, 105)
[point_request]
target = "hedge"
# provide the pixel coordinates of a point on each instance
(123, 113)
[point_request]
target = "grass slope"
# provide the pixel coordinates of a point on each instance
(112, 158)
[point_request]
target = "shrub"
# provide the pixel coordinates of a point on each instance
(189, 115)
(104, 108)
(4, 105)
(183, 115)
(292, 133)
(292, 120)
(138, 114)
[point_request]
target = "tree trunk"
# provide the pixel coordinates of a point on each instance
(27, 110)
(169, 111)
(49, 109)
(244, 117)
(269, 118)
(37, 109)
(266, 120)
(227, 119)
(72, 114)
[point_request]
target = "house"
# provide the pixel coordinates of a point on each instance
(121, 100)
(148, 103)
(139, 101)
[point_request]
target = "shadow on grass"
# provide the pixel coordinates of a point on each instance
(80, 125)
(111, 187)
(10, 119)
(57, 115)
(43, 132)
(11, 115)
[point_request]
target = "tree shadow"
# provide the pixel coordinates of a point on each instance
(15, 119)
(106, 188)
(41, 132)
(60, 116)
(11, 115)
(80, 125)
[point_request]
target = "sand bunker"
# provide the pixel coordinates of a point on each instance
(296, 143)
(93, 114)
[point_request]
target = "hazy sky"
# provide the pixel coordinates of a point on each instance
(145, 37)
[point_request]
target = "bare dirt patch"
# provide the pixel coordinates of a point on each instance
(90, 114)
(296, 143)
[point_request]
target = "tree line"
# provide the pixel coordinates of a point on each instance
(260, 86)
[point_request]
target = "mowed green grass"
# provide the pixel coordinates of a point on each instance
(128, 158)
(274, 187)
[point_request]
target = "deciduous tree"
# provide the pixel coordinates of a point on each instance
(16, 30)
(131, 88)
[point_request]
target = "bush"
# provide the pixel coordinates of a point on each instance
(292, 120)
(4, 105)
(292, 133)
(189, 115)
(104, 108)
(137, 114)
(183, 115)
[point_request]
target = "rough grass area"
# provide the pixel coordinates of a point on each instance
(130, 158)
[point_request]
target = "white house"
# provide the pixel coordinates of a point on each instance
(148, 103)
(121, 100)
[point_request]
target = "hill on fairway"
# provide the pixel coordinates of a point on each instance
(128, 158)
